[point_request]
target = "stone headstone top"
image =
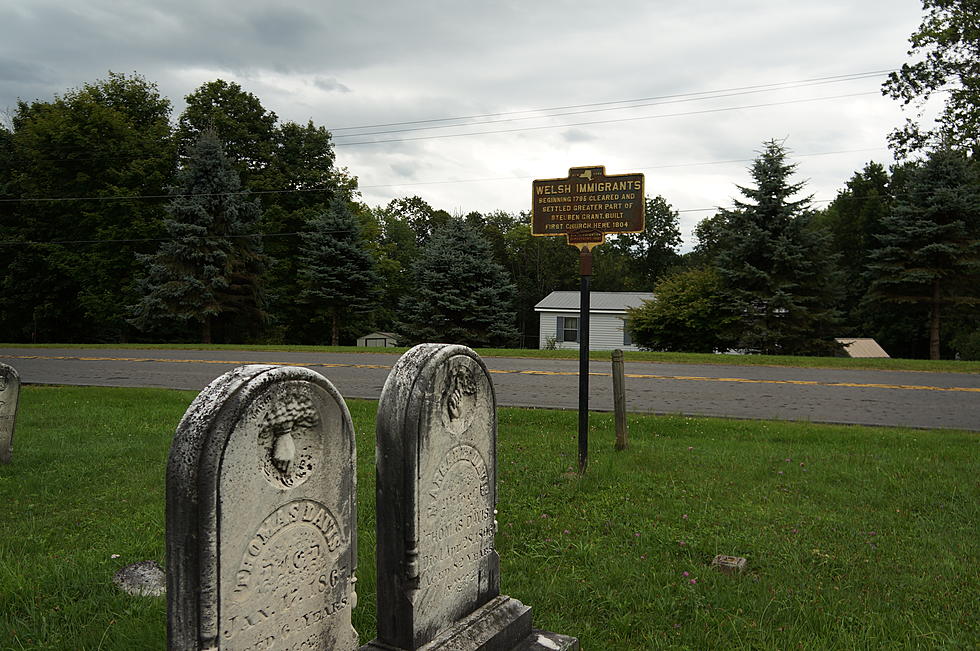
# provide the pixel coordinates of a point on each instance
(438, 569)
(261, 515)
(9, 398)
(436, 494)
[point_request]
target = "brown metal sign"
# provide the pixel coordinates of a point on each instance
(587, 205)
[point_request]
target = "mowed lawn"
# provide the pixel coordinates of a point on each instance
(855, 537)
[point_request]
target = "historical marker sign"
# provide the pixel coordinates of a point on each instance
(588, 205)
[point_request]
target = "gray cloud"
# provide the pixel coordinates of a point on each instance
(345, 63)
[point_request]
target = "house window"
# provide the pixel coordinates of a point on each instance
(567, 328)
(627, 339)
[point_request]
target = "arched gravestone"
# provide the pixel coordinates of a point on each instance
(261, 515)
(438, 570)
(9, 397)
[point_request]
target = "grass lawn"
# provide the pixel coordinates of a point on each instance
(885, 364)
(855, 537)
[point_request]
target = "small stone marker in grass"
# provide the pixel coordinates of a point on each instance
(261, 515)
(729, 564)
(9, 397)
(143, 579)
(438, 569)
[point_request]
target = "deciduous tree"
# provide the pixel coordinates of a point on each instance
(947, 50)
(689, 313)
(71, 163)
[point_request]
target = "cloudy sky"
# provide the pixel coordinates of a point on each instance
(464, 103)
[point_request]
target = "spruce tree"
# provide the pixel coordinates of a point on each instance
(460, 295)
(930, 245)
(778, 274)
(209, 265)
(337, 276)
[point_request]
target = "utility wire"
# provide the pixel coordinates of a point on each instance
(397, 185)
(594, 122)
(272, 235)
(772, 86)
(580, 112)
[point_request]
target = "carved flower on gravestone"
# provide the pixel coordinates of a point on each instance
(286, 445)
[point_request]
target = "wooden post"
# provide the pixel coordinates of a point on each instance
(619, 400)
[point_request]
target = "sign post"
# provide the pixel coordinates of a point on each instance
(586, 206)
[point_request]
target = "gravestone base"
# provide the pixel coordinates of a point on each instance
(503, 624)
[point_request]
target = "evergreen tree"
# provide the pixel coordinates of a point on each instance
(460, 295)
(930, 253)
(778, 274)
(209, 266)
(337, 276)
(853, 222)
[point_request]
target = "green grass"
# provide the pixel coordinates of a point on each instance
(885, 364)
(856, 537)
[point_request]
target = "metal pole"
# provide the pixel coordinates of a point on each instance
(585, 266)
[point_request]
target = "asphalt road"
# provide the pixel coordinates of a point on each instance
(904, 398)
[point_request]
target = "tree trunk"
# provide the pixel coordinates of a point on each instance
(206, 329)
(334, 332)
(934, 322)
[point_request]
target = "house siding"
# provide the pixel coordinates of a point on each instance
(605, 331)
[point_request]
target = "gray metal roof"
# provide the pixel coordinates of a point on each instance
(598, 301)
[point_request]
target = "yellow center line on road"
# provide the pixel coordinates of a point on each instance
(639, 376)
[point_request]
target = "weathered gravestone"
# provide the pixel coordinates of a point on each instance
(261, 515)
(438, 570)
(9, 397)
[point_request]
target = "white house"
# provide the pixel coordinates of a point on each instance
(559, 313)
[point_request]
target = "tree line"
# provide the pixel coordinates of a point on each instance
(119, 223)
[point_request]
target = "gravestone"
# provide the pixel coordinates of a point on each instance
(9, 397)
(438, 569)
(261, 515)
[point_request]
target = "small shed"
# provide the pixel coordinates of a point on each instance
(379, 340)
(856, 347)
(559, 315)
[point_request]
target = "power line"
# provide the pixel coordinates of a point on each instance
(170, 239)
(395, 185)
(594, 122)
(773, 86)
(300, 233)
(634, 167)
(595, 110)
